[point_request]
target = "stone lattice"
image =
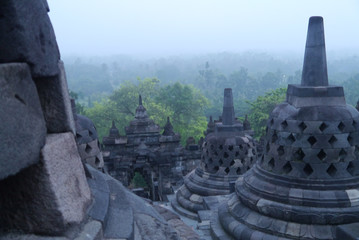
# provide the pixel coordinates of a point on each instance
(306, 185)
(227, 152)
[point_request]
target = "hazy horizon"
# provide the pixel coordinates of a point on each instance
(161, 28)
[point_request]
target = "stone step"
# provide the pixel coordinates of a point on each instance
(217, 231)
(179, 209)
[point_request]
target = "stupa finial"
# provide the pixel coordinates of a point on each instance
(140, 100)
(315, 62)
(228, 109)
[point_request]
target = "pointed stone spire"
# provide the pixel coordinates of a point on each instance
(315, 62)
(228, 109)
(314, 89)
(210, 126)
(114, 131)
(140, 110)
(168, 129)
(140, 100)
(246, 124)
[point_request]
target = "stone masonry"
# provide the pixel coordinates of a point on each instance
(306, 185)
(227, 153)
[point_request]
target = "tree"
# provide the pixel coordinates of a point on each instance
(101, 114)
(182, 103)
(187, 105)
(262, 107)
(138, 181)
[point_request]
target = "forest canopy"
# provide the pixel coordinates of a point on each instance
(190, 89)
(184, 105)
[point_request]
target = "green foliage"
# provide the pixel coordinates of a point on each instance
(102, 113)
(187, 105)
(249, 74)
(182, 103)
(138, 181)
(262, 107)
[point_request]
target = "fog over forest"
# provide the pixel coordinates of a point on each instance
(115, 50)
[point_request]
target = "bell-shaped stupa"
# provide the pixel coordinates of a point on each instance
(306, 185)
(227, 153)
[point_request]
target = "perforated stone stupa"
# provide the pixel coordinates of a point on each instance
(227, 153)
(306, 184)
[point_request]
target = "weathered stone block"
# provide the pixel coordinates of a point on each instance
(49, 196)
(66, 175)
(22, 125)
(55, 101)
(26, 35)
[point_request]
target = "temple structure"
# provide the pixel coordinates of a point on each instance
(228, 152)
(44, 191)
(159, 158)
(306, 185)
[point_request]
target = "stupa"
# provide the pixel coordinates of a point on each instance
(306, 184)
(227, 153)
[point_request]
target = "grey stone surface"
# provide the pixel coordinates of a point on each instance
(91, 231)
(179, 209)
(26, 35)
(348, 231)
(90, 153)
(100, 195)
(217, 232)
(305, 186)
(165, 213)
(17, 236)
(168, 129)
(183, 231)
(228, 109)
(128, 215)
(152, 229)
(54, 97)
(66, 176)
(49, 196)
(314, 89)
(227, 153)
(22, 124)
(120, 218)
(85, 130)
(315, 62)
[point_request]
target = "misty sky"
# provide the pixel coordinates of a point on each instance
(176, 27)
